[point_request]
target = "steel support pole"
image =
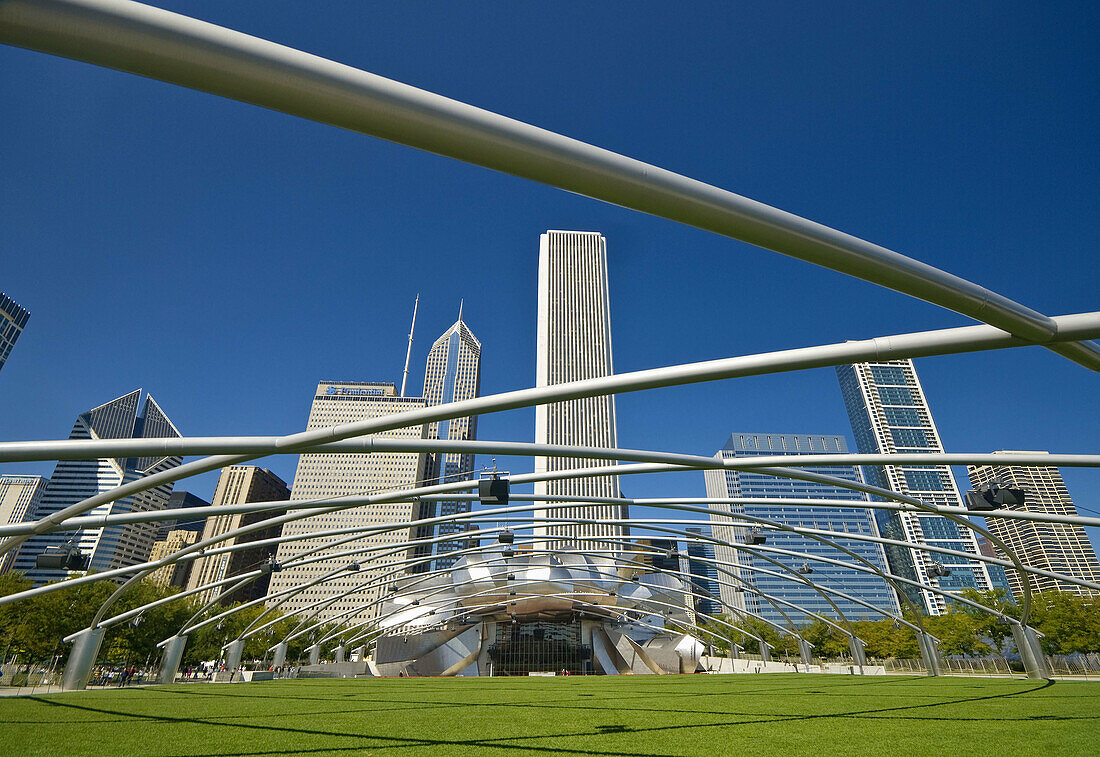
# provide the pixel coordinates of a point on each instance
(170, 660)
(315, 655)
(859, 656)
(805, 652)
(233, 654)
(185, 51)
(278, 657)
(78, 668)
(1031, 653)
(341, 650)
(764, 654)
(930, 653)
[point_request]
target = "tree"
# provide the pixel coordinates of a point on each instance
(33, 628)
(989, 627)
(1069, 624)
(827, 641)
(885, 640)
(959, 633)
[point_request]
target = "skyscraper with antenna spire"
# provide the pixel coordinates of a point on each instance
(409, 351)
(452, 374)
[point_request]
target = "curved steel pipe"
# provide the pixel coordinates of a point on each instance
(905, 345)
(191, 53)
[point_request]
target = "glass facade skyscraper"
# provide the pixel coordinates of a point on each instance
(704, 575)
(452, 374)
(889, 414)
(748, 485)
(12, 320)
(76, 480)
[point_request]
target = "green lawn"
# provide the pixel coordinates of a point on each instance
(778, 714)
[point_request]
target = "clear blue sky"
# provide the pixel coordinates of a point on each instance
(226, 258)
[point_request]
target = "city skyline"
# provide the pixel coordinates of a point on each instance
(916, 182)
(927, 161)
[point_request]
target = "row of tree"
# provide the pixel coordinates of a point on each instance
(1070, 624)
(31, 630)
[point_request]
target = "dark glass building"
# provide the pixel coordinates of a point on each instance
(12, 320)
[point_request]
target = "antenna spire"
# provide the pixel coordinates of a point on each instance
(460, 309)
(409, 351)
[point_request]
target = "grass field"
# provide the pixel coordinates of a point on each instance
(778, 714)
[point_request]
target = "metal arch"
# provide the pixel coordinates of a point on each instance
(299, 631)
(944, 341)
(696, 462)
(92, 449)
(134, 612)
(702, 510)
(191, 53)
(620, 581)
(946, 595)
(792, 631)
(699, 205)
(152, 516)
(358, 532)
(966, 556)
(420, 577)
(389, 549)
(804, 555)
(395, 548)
(372, 444)
(622, 616)
(809, 533)
(682, 462)
(628, 563)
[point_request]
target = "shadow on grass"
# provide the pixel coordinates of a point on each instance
(525, 742)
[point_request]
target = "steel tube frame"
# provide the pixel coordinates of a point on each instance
(390, 549)
(191, 53)
(807, 532)
(188, 52)
(683, 461)
(945, 341)
(792, 631)
(396, 568)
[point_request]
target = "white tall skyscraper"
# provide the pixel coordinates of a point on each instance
(452, 374)
(890, 414)
(19, 496)
(75, 480)
(574, 343)
(323, 476)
